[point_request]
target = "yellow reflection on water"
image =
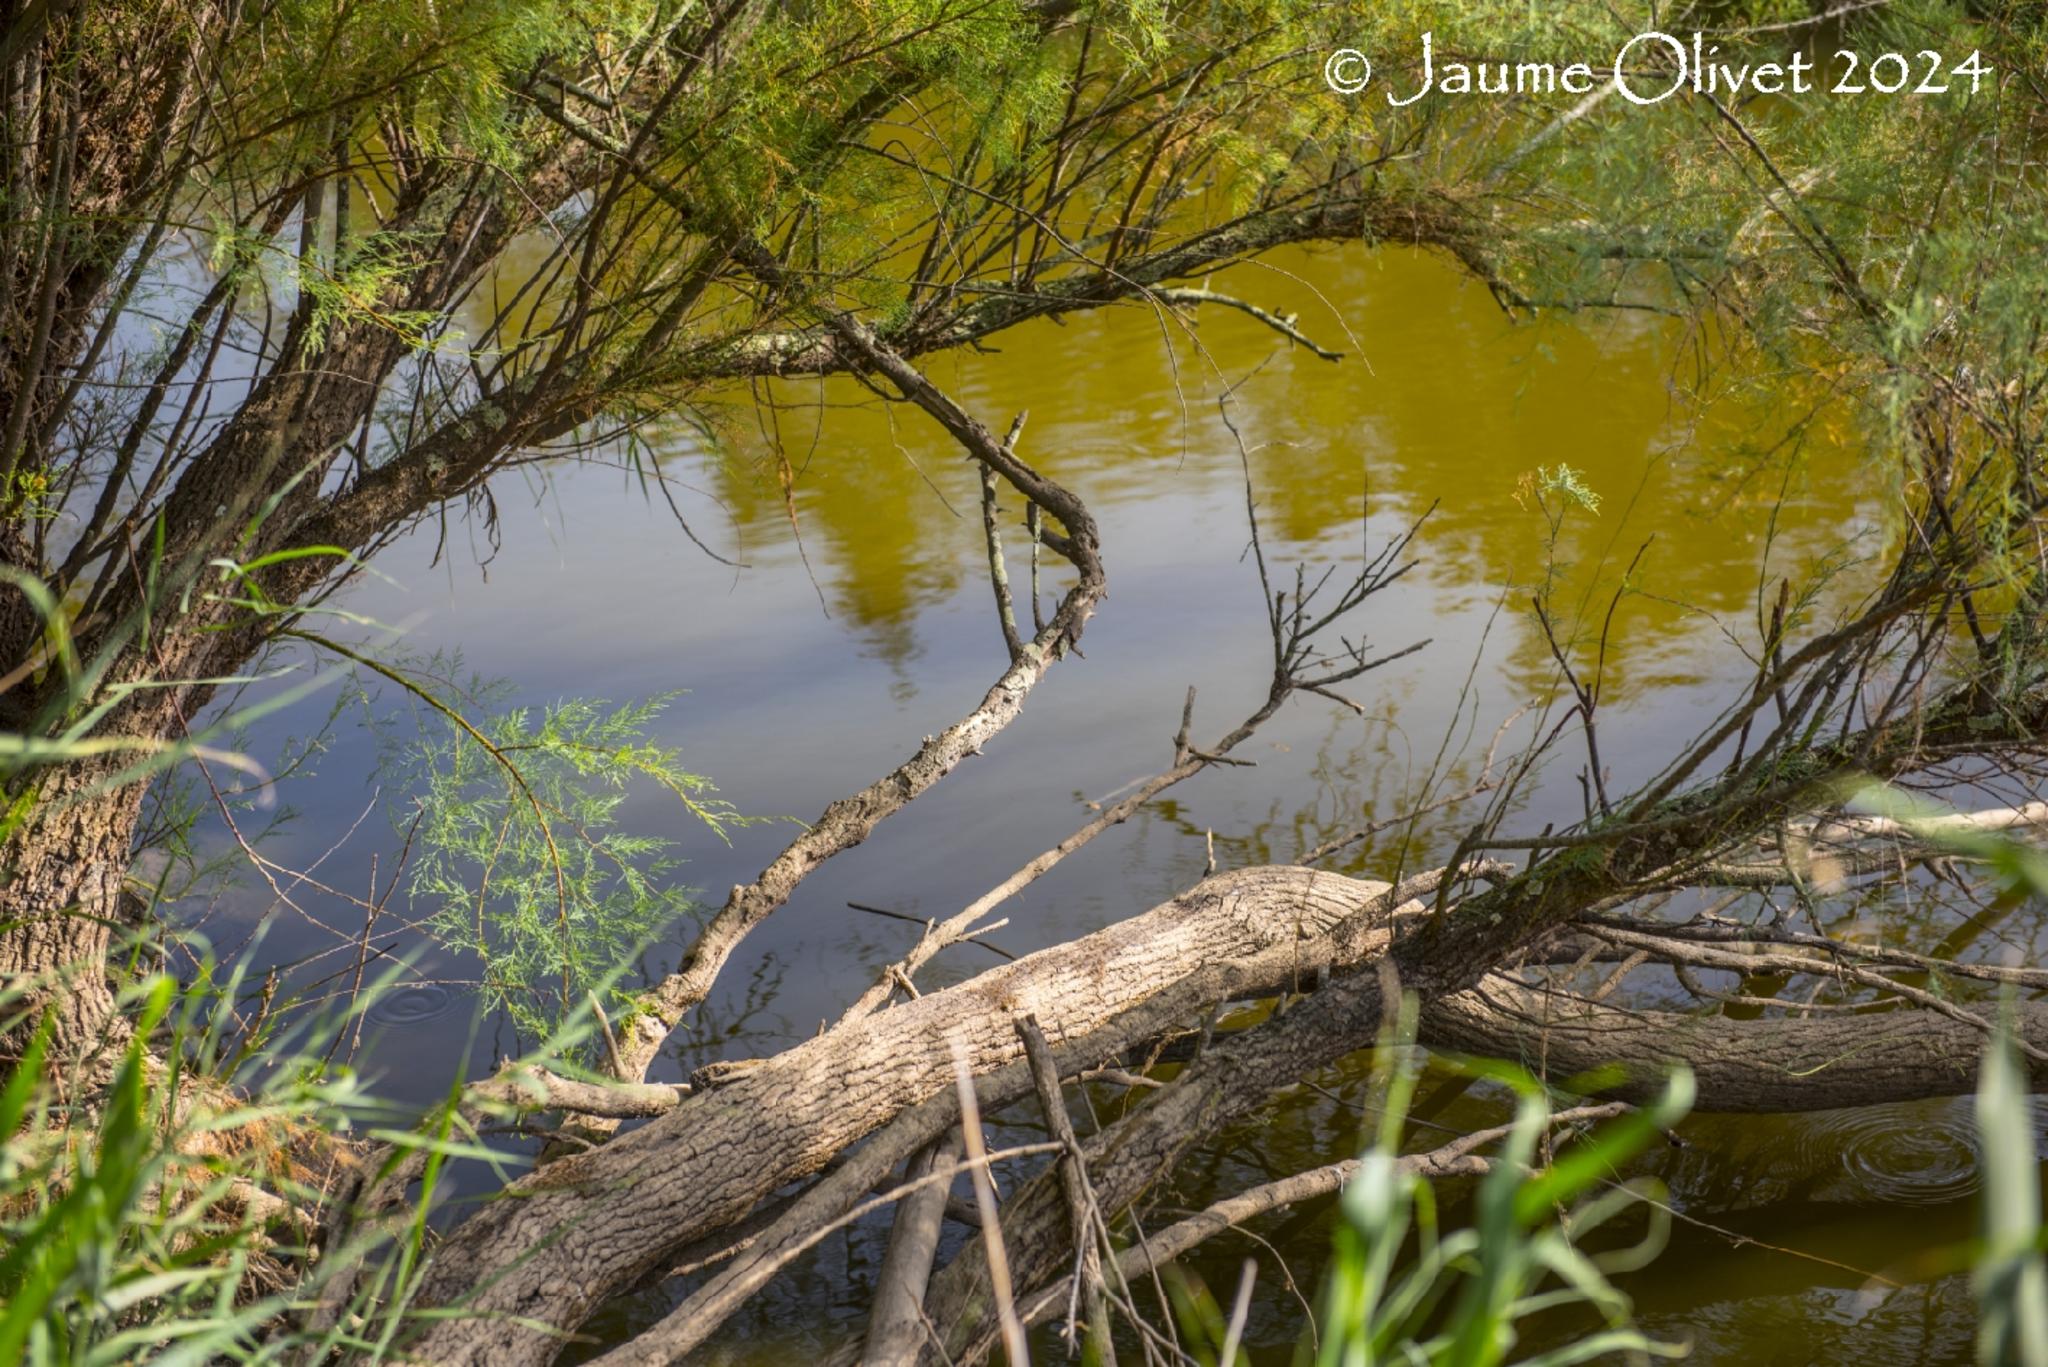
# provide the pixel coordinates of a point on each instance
(1441, 398)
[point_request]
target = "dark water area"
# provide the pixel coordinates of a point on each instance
(863, 622)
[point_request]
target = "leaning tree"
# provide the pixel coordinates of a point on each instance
(284, 280)
(281, 284)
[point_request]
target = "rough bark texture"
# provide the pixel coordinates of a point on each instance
(1282, 968)
(1777, 1065)
(586, 1227)
(59, 906)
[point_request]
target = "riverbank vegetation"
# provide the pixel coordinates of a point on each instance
(286, 282)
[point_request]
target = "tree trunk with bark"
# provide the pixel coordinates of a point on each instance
(588, 1226)
(60, 908)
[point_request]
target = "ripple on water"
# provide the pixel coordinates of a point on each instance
(1916, 1156)
(413, 1004)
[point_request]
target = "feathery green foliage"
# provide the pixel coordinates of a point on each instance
(519, 854)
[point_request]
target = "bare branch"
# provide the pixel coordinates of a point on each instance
(1280, 323)
(896, 1323)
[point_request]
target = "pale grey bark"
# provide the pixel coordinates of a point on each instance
(1890, 1053)
(590, 1225)
(896, 1326)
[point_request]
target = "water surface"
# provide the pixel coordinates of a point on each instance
(862, 621)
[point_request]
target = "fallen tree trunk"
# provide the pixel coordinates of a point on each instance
(833, 1196)
(1237, 1077)
(593, 1225)
(1754, 1065)
(1767, 1065)
(588, 1226)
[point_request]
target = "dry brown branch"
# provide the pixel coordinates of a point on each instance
(1825, 850)
(527, 1088)
(1295, 654)
(998, 573)
(967, 922)
(1769, 941)
(1837, 960)
(1284, 324)
(848, 822)
(991, 1218)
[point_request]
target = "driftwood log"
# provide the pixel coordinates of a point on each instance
(591, 1225)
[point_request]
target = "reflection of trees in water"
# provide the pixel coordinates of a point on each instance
(1362, 772)
(1456, 412)
(880, 544)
